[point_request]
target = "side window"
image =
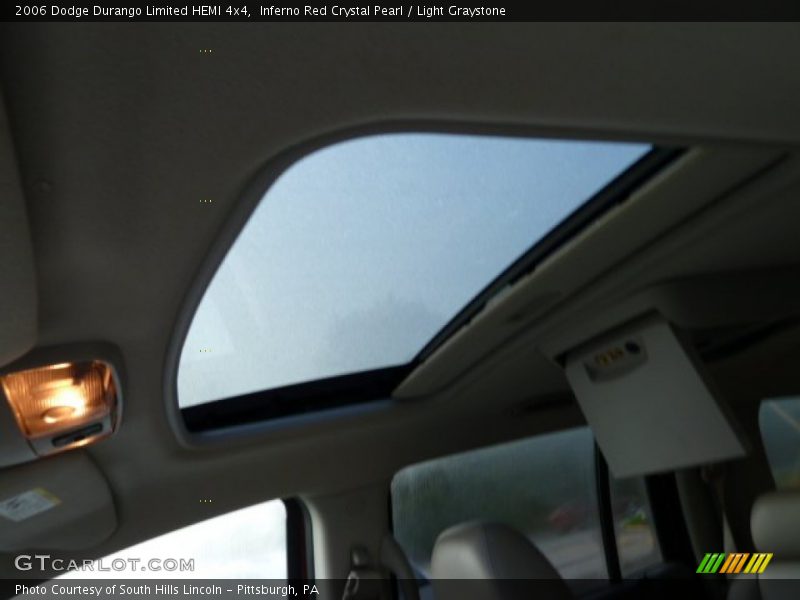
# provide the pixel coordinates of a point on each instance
(637, 543)
(245, 544)
(779, 420)
(543, 486)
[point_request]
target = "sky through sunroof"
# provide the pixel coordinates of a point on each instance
(361, 252)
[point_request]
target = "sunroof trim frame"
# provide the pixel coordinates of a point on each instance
(329, 393)
(259, 185)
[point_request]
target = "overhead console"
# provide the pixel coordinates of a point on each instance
(638, 376)
(648, 401)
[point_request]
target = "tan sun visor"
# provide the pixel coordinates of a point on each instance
(62, 503)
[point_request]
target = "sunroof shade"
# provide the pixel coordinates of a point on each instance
(361, 252)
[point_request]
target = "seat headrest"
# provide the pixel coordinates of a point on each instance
(492, 552)
(775, 524)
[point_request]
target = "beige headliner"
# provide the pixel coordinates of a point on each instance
(120, 129)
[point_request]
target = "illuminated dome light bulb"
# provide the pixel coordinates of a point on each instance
(58, 414)
(65, 405)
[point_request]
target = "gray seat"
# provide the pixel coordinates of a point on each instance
(775, 527)
(506, 562)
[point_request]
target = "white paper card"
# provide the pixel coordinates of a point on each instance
(27, 504)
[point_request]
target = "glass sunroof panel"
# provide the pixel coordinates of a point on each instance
(362, 251)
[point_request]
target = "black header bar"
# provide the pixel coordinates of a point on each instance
(389, 11)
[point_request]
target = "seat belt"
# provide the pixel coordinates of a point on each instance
(368, 581)
(365, 580)
(395, 559)
(715, 476)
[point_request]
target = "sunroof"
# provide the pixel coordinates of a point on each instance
(361, 252)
